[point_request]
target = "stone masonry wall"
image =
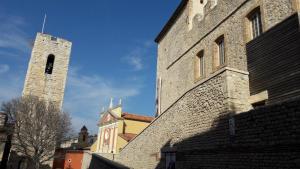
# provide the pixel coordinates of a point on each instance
(264, 138)
(37, 83)
(178, 49)
(267, 137)
(194, 113)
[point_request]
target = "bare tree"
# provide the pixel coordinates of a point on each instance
(39, 126)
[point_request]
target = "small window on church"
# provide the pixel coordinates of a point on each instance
(50, 64)
(83, 138)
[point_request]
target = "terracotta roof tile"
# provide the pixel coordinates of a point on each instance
(136, 117)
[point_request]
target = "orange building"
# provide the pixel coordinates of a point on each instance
(59, 158)
(70, 153)
(73, 159)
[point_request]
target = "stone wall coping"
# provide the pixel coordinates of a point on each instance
(110, 162)
(262, 96)
(216, 73)
(58, 38)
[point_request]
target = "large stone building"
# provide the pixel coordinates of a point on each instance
(217, 60)
(217, 41)
(47, 68)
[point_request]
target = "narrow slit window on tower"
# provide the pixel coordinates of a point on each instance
(50, 64)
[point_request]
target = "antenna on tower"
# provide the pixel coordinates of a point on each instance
(45, 17)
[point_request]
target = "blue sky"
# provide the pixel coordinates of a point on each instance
(113, 54)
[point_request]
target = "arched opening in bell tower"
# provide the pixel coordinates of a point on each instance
(49, 64)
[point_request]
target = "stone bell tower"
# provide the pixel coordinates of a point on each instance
(83, 137)
(47, 68)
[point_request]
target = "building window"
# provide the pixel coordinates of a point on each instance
(220, 59)
(221, 51)
(50, 64)
(199, 65)
(255, 27)
(53, 38)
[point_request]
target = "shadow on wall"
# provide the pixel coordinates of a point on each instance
(98, 162)
(264, 138)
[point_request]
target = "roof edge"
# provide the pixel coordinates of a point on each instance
(137, 117)
(171, 21)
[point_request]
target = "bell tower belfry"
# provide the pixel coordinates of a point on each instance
(47, 68)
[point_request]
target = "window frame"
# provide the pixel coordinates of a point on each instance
(199, 66)
(221, 51)
(219, 57)
(255, 23)
(248, 29)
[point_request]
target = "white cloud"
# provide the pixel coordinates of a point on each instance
(14, 43)
(137, 56)
(84, 95)
(12, 36)
(87, 94)
(12, 86)
(4, 68)
(9, 54)
(136, 62)
(84, 98)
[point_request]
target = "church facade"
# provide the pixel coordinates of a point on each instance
(117, 129)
